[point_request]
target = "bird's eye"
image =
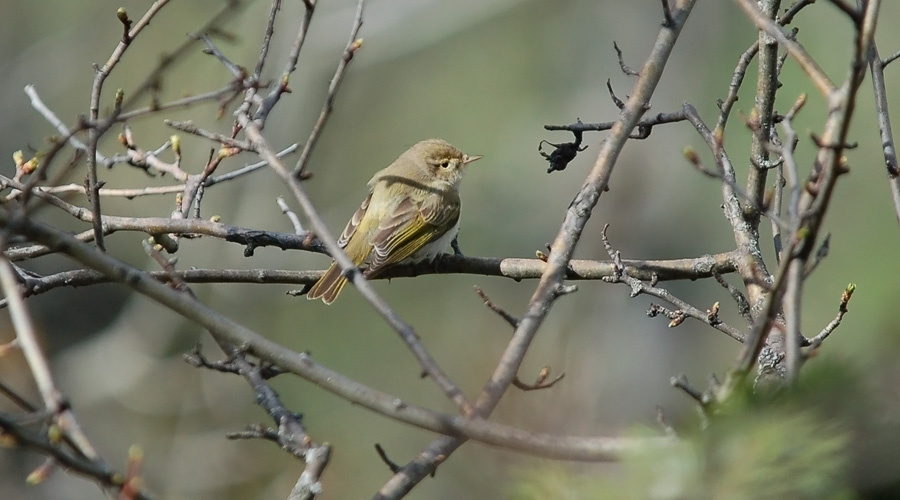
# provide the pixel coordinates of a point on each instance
(445, 164)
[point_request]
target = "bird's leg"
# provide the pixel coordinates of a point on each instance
(454, 244)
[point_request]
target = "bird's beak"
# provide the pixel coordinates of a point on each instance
(469, 159)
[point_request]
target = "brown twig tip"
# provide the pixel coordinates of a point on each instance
(690, 154)
(540, 382)
(820, 143)
(254, 431)
(624, 67)
(509, 318)
(197, 359)
(394, 468)
(891, 58)
(681, 382)
(605, 239)
(612, 95)
(815, 343)
(846, 295)
(798, 105)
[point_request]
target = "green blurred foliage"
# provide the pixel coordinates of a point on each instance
(787, 446)
(780, 455)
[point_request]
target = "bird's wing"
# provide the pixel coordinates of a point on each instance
(411, 226)
(353, 223)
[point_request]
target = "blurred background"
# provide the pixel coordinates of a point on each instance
(485, 76)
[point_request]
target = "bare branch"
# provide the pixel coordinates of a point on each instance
(624, 67)
(353, 45)
(509, 318)
(815, 342)
(295, 221)
(876, 67)
(540, 382)
(809, 65)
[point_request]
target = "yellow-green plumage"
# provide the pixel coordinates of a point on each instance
(411, 213)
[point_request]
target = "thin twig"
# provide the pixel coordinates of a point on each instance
(267, 39)
(286, 210)
(352, 46)
(876, 67)
(540, 382)
(645, 123)
(509, 318)
(731, 189)
(183, 102)
(763, 118)
(282, 87)
(38, 104)
(392, 466)
(815, 342)
(97, 130)
(152, 82)
(739, 298)
(190, 128)
(809, 65)
(158, 190)
(624, 67)
(684, 309)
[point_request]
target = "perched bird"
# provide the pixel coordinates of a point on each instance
(410, 214)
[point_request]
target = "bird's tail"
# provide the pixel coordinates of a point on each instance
(332, 282)
(329, 285)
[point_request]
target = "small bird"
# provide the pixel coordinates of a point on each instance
(410, 214)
